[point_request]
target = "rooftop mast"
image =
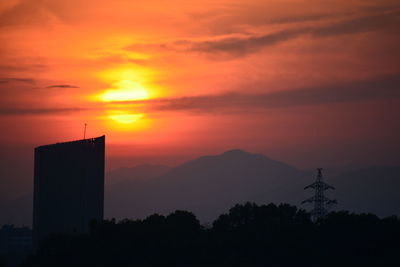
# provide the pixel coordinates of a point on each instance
(84, 132)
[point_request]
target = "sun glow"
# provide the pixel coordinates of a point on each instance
(124, 116)
(124, 91)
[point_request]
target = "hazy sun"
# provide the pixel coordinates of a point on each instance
(124, 90)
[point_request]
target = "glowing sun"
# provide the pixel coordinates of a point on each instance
(124, 91)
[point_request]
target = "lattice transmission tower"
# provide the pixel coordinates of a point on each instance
(321, 203)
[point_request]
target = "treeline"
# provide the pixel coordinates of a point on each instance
(249, 235)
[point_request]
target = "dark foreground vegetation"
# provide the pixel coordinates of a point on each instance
(249, 235)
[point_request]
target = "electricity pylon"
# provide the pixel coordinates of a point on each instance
(321, 203)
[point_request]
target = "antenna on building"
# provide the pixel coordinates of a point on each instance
(321, 203)
(84, 132)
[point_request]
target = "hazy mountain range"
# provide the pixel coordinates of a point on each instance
(210, 185)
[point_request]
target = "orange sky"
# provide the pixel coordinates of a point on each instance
(306, 82)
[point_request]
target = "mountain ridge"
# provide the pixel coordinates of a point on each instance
(210, 185)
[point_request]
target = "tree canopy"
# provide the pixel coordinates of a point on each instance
(248, 235)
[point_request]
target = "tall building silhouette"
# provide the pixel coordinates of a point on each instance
(68, 187)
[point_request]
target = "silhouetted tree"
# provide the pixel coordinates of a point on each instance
(248, 235)
(2, 262)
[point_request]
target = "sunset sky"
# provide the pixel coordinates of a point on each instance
(310, 83)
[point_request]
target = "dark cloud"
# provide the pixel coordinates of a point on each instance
(22, 80)
(241, 46)
(387, 87)
(301, 18)
(22, 67)
(381, 6)
(233, 46)
(62, 86)
(231, 20)
(37, 111)
(381, 88)
(388, 21)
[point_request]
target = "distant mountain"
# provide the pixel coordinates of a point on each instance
(369, 189)
(208, 186)
(144, 171)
